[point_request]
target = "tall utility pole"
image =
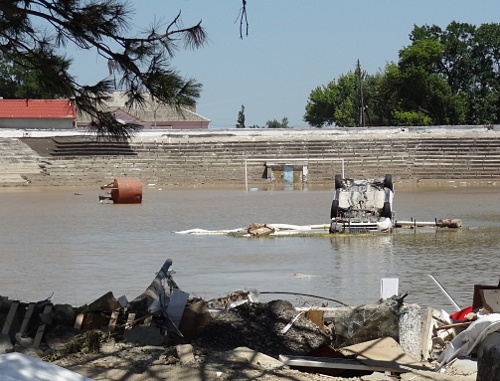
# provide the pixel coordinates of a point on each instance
(362, 122)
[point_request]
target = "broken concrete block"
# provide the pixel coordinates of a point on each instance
(185, 353)
(256, 358)
(358, 324)
(6, 345)
(410, 326)
(24, 341)
(488, 358)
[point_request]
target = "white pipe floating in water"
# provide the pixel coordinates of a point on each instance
(284, 229)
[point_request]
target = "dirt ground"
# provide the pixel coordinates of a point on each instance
(241, 344)
(118, 362)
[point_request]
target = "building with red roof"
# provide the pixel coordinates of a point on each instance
(57, 114)
(37, 114)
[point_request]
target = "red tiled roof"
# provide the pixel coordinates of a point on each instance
(37, 109)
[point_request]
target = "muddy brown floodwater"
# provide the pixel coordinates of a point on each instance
(62, 243)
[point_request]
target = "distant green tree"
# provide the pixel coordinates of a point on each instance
(386, 98)
(321, 105)
(7, 81)
(449, 76)
(423, 90)
(240, 122)
(470, 64)
(348, 102)
(19, 82)
(372, 114)
(275, 124)
(334, 103)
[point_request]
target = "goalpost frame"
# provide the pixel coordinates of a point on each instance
(285, 162)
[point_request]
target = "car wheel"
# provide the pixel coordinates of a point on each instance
(338, 181)
(386, 211)
(335, 209)
(388, 182)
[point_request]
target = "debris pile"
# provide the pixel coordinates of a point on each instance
(471, 331)
(260, 326)
(327, 340)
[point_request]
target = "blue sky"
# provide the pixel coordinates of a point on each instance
(293, 46)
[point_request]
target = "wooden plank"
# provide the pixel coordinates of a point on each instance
(385, 352)
(334, 363)
(41, 328)
(454, 325)
(79, 321)
(317, 317)
(113, 319)
(427, 333)
(130, 321)
(27, 318)
(10, 317)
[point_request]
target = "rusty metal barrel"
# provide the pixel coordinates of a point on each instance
(126, 191)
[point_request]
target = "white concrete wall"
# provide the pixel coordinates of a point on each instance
(43, 124)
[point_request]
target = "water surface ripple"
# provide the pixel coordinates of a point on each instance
(64, 242)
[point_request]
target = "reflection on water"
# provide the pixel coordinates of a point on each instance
(354, 268)
(65, 242)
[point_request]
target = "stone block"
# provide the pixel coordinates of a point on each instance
(488, 358)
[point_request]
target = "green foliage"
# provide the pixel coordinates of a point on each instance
(275, 124)
(334, 103)
(349, 102)
(411, 118)
(449, 76)
(385, 98)
(470, 65)
(425, 54)
(20, 81)
(7, 80)
(321, 105)
(240, 123)
(33, 58)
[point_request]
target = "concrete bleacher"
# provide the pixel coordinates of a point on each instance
(18, 163)
(212, 159)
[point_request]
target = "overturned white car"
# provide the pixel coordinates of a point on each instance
(362, 205)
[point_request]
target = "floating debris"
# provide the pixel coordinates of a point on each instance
(123, 191)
